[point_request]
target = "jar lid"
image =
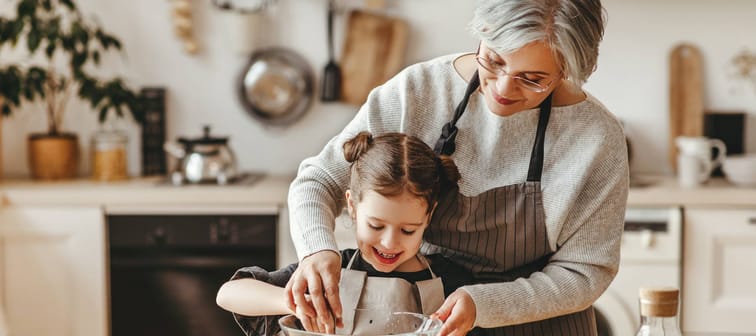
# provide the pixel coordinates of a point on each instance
(659, 301)
(109, 136)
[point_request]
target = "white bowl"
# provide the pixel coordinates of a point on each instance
(741, 169)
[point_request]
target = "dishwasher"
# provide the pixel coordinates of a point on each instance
(167, 266)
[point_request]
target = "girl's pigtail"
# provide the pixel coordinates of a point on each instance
(449, 173)
(355, 147)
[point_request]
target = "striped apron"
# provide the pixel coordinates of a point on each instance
(500, 234)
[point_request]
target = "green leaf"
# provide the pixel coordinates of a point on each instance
(26, 8)
(116, 43)
(78, 60)
(104, 113)
(50, 49)
(69, 4)
(96, 57)
(33, 39)
(17, 26)
(53, 29)
(67, 42)
(4, 30)
(28, 93)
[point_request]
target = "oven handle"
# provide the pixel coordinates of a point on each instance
(182, 262)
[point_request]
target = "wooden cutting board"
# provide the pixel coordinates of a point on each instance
(373, 52)
(686, 101)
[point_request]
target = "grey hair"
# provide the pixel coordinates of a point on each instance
(572, 28)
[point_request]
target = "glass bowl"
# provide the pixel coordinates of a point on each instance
(397, 324)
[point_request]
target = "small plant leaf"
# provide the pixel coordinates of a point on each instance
(33, 39)
(69, 4)
(50, 49)
(26, 8)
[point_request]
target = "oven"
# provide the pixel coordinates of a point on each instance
(166, 266)
(650, 256)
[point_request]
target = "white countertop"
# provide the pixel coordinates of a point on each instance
(268, 190)
(717, 192)
(272, 190)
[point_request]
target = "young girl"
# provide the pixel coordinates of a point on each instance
(395, 182)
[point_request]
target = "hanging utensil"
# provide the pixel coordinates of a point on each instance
(276, 87)
(331, 88)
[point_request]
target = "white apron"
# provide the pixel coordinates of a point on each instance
(367, 301)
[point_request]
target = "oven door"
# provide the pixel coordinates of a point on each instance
(166, 269)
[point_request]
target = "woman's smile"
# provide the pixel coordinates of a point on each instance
(502, 100)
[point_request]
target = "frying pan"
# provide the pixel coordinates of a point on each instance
(276, 86)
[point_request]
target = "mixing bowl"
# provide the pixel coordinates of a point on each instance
(400, 323)
(740, 169)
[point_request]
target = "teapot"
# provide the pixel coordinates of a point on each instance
(204, 159)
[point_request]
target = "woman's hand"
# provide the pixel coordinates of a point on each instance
(458, 313)
(318, 275)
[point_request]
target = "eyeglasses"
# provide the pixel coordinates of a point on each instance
(498, 69)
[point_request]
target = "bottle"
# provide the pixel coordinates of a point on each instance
(109, 155)
(658, 310)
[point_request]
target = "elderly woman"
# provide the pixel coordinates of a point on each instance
(538, 214)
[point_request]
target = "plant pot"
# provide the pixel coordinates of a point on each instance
(53, 157)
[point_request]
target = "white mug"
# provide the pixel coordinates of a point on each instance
(694, 161)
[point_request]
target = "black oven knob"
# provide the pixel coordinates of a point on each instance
(159, 236)
(224, 231)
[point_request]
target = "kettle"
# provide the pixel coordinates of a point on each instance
(204, 159)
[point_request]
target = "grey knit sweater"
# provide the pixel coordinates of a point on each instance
(584, 183)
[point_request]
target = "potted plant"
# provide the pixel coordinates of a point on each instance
(69, 47)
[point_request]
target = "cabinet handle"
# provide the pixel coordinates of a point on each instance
(752, 220)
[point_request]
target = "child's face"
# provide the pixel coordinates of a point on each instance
(389, 229)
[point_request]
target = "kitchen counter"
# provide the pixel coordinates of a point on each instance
(665, 191)
(268, 190)
(272, 190)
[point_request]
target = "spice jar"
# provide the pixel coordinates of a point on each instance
(109, 155)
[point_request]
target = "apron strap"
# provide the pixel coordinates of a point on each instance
(425, 262)
(351, 260)
(536, 156)
(445, 144)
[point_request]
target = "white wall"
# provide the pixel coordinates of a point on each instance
(631, 78)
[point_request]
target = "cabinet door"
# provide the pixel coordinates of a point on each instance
(54, 271)
(719, 272)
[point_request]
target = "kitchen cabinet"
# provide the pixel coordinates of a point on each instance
(53, 261)
(719, 295)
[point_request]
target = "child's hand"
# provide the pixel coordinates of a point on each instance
(313, 324)
(458, 313)
(318, 275)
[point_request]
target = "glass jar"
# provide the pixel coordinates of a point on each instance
(109, 155)
(658, 310)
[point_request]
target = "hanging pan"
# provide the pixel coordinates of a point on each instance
(276, 86)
